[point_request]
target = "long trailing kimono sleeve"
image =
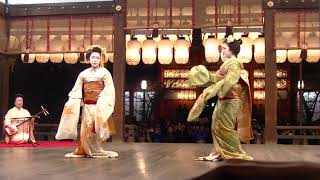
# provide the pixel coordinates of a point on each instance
(200, 76)
(201, 101)
(71, 112)
(104, 125)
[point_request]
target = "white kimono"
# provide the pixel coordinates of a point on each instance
(97, 115)
(19, 115)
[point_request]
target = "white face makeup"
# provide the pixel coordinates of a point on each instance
(95, 60)
(225, 51)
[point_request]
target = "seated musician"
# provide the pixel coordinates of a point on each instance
(18, 124)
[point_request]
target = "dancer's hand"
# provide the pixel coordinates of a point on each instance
(220, 74)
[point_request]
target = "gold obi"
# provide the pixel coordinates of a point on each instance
(91, 90)
(234, 93)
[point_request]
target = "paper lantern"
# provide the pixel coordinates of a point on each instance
(259, 50)
(133, 52)
(41, 45)
(165, 53)
(253, 35)
(56, 58)
(237, 35)
(149, 51)
(181, 51)
(211, 50)
(245, 54)
(313, 55)
(31, 59)
(56, 45)
(42, 58)
(71, 58)
(221, 35)
(281, 56)
(294, 56)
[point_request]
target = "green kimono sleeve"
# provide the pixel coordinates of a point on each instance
(201, 102)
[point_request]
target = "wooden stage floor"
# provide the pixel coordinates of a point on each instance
(136, 161)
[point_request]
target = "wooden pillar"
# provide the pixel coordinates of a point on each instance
(270, 132)
(4, 85)
(119, 66)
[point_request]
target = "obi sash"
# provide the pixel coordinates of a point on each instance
(91, 89)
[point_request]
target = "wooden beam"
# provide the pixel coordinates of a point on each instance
(119, 67)
(5, 63)
(61, 9)
(294, 4)
(270, 132)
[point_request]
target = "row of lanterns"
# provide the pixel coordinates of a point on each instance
(176, 73)
(260, 73)
(169, 48)
(260, 84)
(293, 56)
(212, 54)
(59, 44)
(177, 84)
(165, 50)
(69, 58)
(186, 95)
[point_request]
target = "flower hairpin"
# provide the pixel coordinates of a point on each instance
(230, 39)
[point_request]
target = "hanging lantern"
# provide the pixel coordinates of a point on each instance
(245, 54)
(31, 58)
(253, 35)
(294, 56)
(165, 54)
(42, 58)
(221, 35)
(172, 37)
(211, 49)
(149, 51)
(71, 58)
(76, 43)
(181, 51)
(56, 58)
(41, 46)
(259, 50)
(237, 35)
(281, 56)
(133, 52)
(34, 46)
(56, 45)
(141, 38)
(313, 55)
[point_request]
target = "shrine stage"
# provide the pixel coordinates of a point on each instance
(142, 161)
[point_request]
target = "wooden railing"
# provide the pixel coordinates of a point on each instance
(302, 136)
